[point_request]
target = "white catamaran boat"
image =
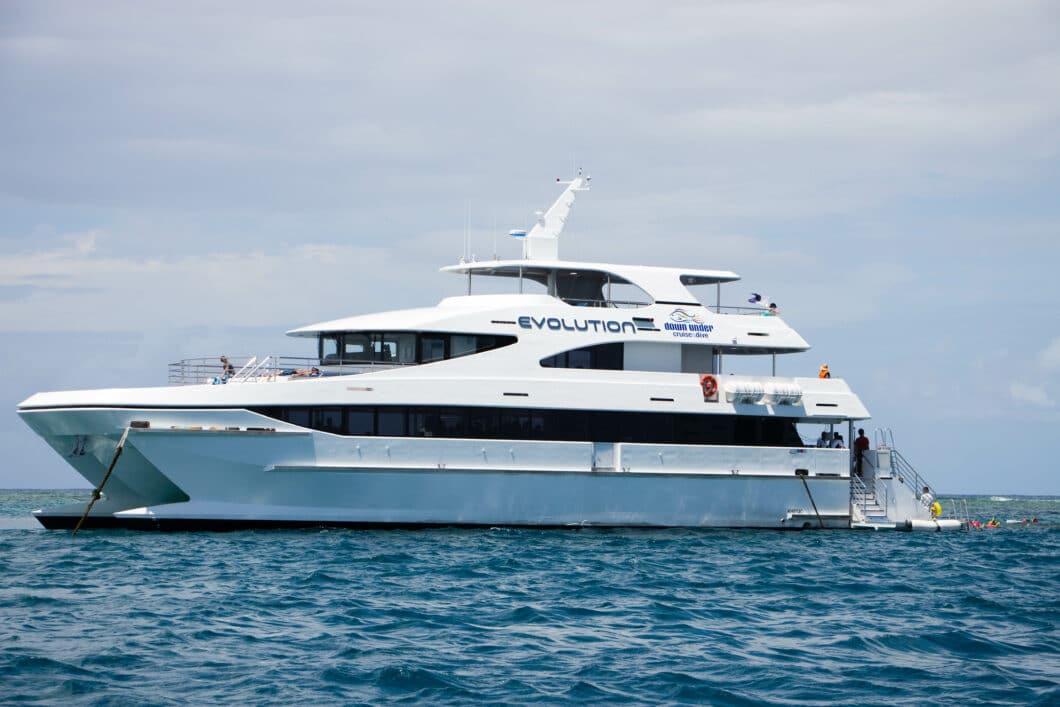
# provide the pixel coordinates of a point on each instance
(592, 395)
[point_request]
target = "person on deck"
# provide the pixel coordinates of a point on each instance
(926, 497)
(861, 445)
(227, 369)
(837, 443)
(825, 441)
(824, 372)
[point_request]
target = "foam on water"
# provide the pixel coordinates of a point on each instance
(519, 616)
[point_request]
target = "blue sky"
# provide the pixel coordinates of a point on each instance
(189, 180)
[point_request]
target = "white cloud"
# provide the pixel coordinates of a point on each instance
(1050, 356)
(77, 287)
(914, 119)
(1035, 395)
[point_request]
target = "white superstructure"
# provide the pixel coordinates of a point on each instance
(593, 394)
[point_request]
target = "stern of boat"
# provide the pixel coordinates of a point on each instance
(888, 495)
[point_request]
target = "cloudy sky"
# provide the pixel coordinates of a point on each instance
(182, 179)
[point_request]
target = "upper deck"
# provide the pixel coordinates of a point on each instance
(583, 284)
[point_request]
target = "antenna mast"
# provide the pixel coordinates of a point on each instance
(542, 242)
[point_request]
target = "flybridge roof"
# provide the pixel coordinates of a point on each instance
(662, 284)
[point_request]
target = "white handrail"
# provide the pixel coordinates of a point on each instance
(197, 371)
(249, 374)
(246, 365)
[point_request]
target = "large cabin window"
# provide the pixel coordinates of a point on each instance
(607, 357)
(328, 419)
(462, 344)
(403, 348)
(356, 347)
(379, 347)
(329, 348)
(396, 348)
(391, 422)
(432, 347)
(361, 421)
(542, 424)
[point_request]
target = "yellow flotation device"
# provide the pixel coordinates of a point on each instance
(936, 509)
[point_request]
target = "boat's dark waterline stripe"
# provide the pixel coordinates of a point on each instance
(90, 406)
(52, 522)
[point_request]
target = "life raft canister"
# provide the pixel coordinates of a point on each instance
(709, 384)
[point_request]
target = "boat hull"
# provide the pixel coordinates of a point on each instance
(242, 475)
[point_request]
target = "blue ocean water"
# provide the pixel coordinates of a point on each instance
(523, 616)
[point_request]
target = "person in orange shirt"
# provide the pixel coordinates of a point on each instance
(824, 372)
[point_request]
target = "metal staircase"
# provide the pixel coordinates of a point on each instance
(888, 495)
(866, 506)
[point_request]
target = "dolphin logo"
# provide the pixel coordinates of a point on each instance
(682, 316)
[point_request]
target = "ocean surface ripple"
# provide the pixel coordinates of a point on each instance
(523, 616)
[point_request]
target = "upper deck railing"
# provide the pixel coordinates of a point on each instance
(633, 304)
(749, 311)
(615, 303)
(261, 369)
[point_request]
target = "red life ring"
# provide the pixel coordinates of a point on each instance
(709, 384)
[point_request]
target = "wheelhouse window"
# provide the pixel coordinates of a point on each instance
(356, 347)
(461, 345)
(396, 348)
(432, 347)
(403, 348)
(329, 349)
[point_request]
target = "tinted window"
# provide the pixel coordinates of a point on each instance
(391, 422)
(483, 423)
(422, 422)
(297, 416)
(704, 429)
(557, 361)
(461, 345)
(608, 356)
(329, 349)
(433, 348)
(327, 419)
(357, 347)
(602, 356)
(360, 421)
(403, 347)
(451, 422)
(515, 424)
(579, 359)
(559, 425)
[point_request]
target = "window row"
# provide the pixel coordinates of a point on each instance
(531, 424)
(403, 347)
